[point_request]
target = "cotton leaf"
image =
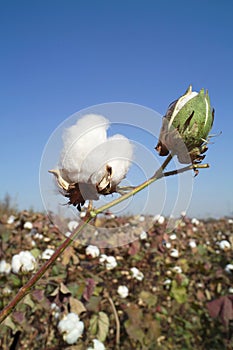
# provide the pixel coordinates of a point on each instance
(179, 293)
(99, 326)
(148, 298)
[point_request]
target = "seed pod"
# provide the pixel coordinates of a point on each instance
(186, 126)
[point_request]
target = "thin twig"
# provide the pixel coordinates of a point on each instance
(118, 325)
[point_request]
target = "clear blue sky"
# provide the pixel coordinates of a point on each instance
(58, 57)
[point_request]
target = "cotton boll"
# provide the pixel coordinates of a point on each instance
(109, 261)
(72, 336)
(173, 236)
(177, 269)
(92, 251)
(72, 225)
(90, 163)
(138, 275)
(98, 345)
(229, 268)
(174, 253)
(123, 291)
(46, 255)
(79, 141)
(143, 235)
(5, 267)
(71, 327)
(11, 219)
(193, 244)
(224, 245)
(24, 261)
(28, 225)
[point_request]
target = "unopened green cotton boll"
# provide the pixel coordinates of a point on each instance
(186, 126)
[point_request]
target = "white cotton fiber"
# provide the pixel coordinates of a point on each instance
(79, 140)
(87, 152)
(120, 154)
(116, 152)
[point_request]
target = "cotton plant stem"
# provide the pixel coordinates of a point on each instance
(89, 216)
(156, 176)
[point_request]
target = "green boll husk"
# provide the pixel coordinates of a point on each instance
(186, 126)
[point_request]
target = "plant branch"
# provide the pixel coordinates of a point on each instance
(158, 174)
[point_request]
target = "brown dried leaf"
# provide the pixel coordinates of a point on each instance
(63, 289)
(69, 254)
(76, 306)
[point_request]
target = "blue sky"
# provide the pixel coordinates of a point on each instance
(59, 57)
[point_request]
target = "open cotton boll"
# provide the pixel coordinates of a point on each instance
(90, 163)
(71, 328)
(98, 345)
(79, 140)
(24, 261)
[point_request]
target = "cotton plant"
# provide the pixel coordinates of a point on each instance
(91, 163)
